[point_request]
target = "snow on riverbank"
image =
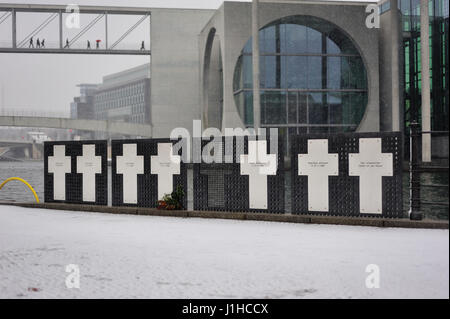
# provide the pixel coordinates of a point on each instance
(157, 257)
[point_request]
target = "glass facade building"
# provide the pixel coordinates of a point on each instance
(127, 103)
(438, 12)
(123, 103)
(312, 78)
(121, 97)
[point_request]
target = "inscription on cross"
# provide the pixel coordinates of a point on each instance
(318, 164)
(130, 165)
(165, 165)
(89, 165)
(370, 165)
(59, 165)
(257, 165)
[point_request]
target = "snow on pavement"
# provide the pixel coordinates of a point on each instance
(122, 256)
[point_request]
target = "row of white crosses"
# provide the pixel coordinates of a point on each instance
(88, 164)
(130, 165)
(370, 164)
(257, 165)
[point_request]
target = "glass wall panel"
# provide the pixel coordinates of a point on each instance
(237, 78)
(248, 72)
(334, 100)
(314, 72)
(248, 111)
(345, 73)
(297, 69)
(296, 39)
(268, 40)
(311, 74)
(358, 106)
(357, 74)
(314, 41)
(292, 108)
(239, 98)
(271, 77)
(334, 74)
(248, 47)
(332, 47)
(274, 106)
(317, 109)
(302, 108)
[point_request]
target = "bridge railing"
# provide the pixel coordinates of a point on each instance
(32, 113)
(80, 45)
(416, 185)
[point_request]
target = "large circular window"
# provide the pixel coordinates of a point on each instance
(312, 77)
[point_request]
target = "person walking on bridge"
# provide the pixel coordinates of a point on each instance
(43, 43)
(38, 43)
(31, 45)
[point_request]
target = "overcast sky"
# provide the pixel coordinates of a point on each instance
(47, 82)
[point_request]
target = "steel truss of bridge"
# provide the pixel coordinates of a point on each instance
(9, 12)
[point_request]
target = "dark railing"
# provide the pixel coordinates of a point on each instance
(415, 185)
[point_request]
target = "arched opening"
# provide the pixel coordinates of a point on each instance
(213, 82)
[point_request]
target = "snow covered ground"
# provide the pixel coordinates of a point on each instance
(155, 257)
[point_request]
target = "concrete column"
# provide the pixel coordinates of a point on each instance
(395, 69)
(106, 30)
(256, 85)
(14, 28)
(425, 69)
(60, 29)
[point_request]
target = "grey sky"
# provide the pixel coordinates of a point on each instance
(44, 82)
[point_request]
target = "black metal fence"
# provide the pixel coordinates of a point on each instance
(223, 187)
(64, 180)
(230, 186)
(341, 188)
(146, 192)
(416, 167)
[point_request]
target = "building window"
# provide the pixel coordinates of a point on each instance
(312, 77)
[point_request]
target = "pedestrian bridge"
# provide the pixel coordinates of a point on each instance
(123, 128)
(14, 16)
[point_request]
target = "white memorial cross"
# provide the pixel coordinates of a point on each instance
(370, 165)
(89, 165)
(318, 165)
(130, 165)
(165, 165)
(257, 165)
(59, 165)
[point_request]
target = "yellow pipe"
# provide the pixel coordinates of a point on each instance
(23, 181)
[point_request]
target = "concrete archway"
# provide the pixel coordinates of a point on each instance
(212, 82)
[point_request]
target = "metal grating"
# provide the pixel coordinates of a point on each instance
(147, 183)
(221, 187)
(344, 199)
(74, 181)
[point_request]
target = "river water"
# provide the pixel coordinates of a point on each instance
(33, 173)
